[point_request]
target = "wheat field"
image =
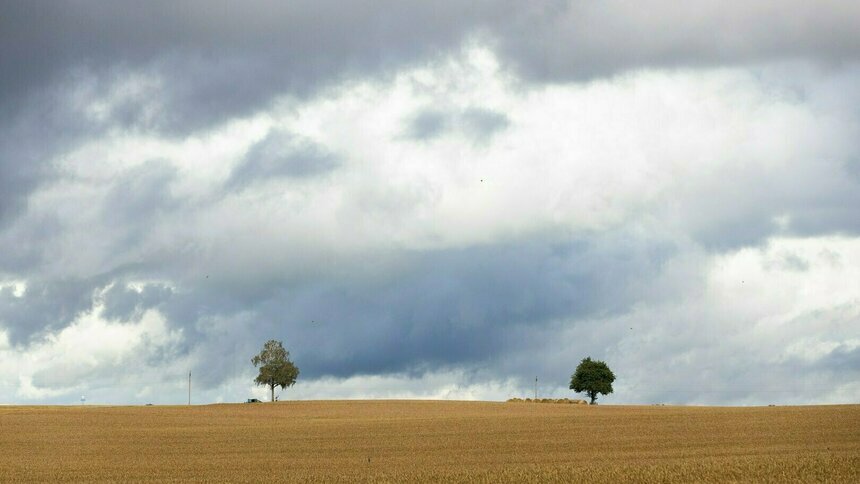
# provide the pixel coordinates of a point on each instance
(442, 441)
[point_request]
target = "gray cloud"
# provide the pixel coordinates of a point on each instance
(143, 191)
(279, 155)
(477, 124)
(427, 125)
(446, 308)
(482, 124)
(44, 306)
(29, 139)
(843, 362)
(199, 64)
(743, 207)
(579, 39)
(223, 59)
(122, 303)
(16, 182)
(455, 307)
(228, 59)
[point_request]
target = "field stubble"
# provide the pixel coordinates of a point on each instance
(429, 441)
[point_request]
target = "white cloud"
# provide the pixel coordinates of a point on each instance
(436, 385)
(89, 352)
(639, 148)
(16, 286)
(753, 333)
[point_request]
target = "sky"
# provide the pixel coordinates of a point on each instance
(441, 200)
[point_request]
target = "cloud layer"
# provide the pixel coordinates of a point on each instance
(438, 201)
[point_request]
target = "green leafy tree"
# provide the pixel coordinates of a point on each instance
(276, 369)
(592, 377)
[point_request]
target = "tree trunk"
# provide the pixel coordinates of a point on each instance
(272, 386)
(593, 396)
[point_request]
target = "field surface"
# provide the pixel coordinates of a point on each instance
(393, 441)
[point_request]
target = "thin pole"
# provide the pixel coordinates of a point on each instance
(535, 388)
(189, 388)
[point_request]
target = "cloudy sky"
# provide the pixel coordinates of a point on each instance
(430, 199)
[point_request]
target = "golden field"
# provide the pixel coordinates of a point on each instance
(393, 441)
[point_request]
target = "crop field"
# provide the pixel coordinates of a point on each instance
(394, 441)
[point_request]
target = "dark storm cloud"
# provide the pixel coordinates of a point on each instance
(29, 139)
(725, 219)
(51, 304)
(221, 59)
(17, 180)
(44, 306)
(451, 307)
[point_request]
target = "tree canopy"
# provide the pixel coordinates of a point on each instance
(276, 369)
(592, 377)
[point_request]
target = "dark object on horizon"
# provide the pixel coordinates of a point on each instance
(276, 369)
(592, 377)
(252, 400)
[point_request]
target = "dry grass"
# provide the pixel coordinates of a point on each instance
(429, 441)
(548, 400)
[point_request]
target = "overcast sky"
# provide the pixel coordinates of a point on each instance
(437, 199)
